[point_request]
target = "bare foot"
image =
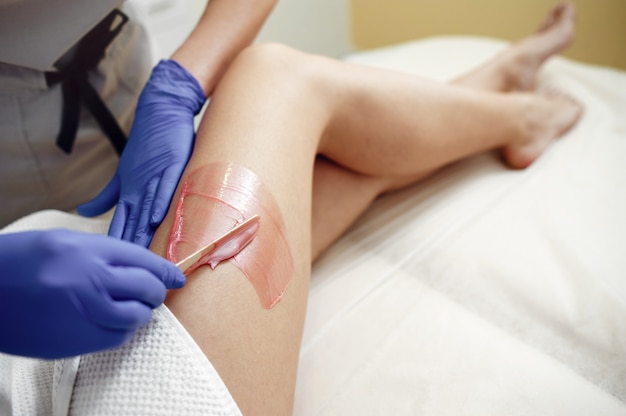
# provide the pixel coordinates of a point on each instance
(549, 115)
(516, 68)
(555, 34)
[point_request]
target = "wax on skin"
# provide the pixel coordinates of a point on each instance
(214, 199)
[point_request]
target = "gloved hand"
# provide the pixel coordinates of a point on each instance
(64, 293)
(158, 149)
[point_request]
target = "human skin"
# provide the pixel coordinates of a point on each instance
(274, 112)
(225, 28)
(340, 195)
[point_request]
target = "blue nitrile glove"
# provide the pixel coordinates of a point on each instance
(158, 149)
(64, 293)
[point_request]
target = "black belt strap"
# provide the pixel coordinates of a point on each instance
(73, 72)
(105, 119)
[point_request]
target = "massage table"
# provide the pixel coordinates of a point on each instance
(481, 290)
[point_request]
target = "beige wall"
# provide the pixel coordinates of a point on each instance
(601, 31)
(316, 26)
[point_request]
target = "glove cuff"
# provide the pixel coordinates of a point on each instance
(172, 78)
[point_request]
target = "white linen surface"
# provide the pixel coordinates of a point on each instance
(483, 290)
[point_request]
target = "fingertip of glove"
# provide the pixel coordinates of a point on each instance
(173, 277)
(86, 210)
(118, 222)
(180, 279)
(179, 282)
(102, 202)
(144, 234)
(156, 218)
(91, 209)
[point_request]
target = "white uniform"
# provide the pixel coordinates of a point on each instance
(35, 173)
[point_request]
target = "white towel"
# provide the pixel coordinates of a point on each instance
(162, 371)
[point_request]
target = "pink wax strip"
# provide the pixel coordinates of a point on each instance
(214, 199)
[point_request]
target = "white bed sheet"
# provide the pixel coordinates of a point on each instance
(482, 290)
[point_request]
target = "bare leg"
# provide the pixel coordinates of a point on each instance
(273, 112)
(515, 69)
(340, 196)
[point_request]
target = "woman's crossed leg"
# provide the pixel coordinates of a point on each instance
(275, 112)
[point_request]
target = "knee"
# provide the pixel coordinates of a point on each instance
(274, 62)
(265, 50)
(269, 55)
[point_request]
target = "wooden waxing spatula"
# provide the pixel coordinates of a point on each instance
(222, 241)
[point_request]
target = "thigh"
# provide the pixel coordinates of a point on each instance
(254, 349)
